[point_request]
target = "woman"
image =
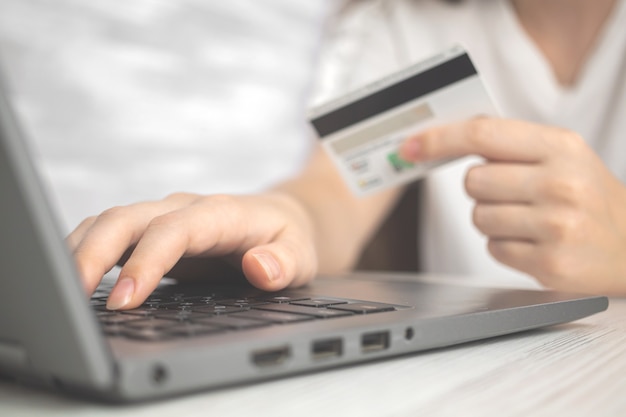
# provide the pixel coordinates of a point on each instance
(545, 188)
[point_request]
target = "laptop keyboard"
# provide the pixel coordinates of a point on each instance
(169, 315)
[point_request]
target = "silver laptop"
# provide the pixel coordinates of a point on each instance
(194, 337)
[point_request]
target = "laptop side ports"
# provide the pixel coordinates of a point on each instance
(271, 357)
(375, 342)
(326, 349)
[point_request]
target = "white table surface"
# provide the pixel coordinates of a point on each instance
(576, 369)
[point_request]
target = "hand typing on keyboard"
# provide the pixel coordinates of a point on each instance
(267, 235)
(278, 239)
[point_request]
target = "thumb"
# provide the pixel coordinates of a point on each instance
(279, 264)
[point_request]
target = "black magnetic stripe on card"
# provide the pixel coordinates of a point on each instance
(418, 85)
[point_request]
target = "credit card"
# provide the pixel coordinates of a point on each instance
(363, 130)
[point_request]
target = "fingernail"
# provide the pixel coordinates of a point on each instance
(410, 150)
(121, 294)
(269, 264)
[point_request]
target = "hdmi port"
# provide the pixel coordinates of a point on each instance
(374, 342)
(271, 357)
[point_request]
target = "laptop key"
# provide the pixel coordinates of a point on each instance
(319, 302)
(148, 334)
(99, 307)
(180, 315)
(309, 311)
(150, 324)
(241, 302)
(272, 316)
(231, 322)
(363, 307)
(102, 313)
(141, 311)
(193, 329)
(283, 299)
(219, 309)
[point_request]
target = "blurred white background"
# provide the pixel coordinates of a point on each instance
(128, 100)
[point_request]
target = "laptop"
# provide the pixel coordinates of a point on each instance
(191, 337)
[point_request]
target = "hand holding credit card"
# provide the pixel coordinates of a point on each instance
(363, 130)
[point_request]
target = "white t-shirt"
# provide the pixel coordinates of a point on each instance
(378, 37)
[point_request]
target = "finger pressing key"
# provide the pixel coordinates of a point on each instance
(100, 242)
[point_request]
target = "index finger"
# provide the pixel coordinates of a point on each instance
(99, 243)
(492, 138)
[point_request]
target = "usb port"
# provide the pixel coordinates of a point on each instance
(374, 342)
(328, 348)
(271, 357)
